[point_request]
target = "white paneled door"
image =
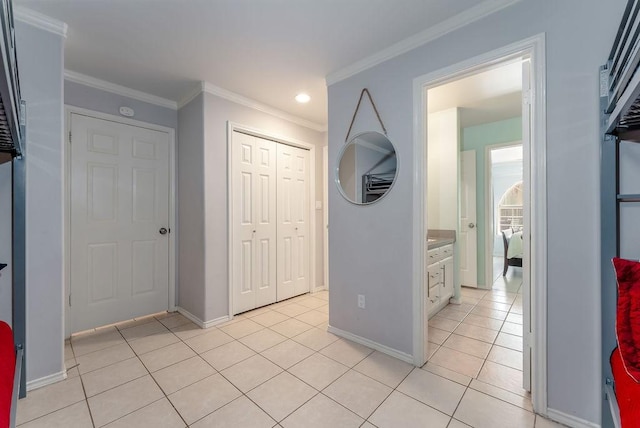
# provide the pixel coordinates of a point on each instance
(468, 230)
(119, 210)
(254, 213)
(270, 225)
(293, 221)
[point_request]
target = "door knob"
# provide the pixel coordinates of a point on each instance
(163, 231)
(471, 225)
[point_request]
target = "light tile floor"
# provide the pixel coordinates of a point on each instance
(278, 366)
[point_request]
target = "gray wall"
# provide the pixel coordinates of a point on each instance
(79, 95)
(40, 60)
(217, 112)
(190, 201)
(578, 38)
(5, 242)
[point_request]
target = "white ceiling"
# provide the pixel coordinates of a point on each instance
(265, 50)
(489, 96)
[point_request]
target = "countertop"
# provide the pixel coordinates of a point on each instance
(438, 242)
(437, 238)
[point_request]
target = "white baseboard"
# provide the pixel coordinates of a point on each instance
(570, 420)
(199, 322)
(47, 380)
(318, 289)
(371, 344)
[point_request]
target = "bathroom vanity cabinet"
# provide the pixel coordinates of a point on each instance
(439, 277)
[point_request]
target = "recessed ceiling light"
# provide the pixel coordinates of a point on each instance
(302, 98)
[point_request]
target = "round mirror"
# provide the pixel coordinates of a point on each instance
(367, 168)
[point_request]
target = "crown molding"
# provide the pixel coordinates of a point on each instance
(248, 102)
(190, 96)
(473, 14)
(103, 85)
(38, 20)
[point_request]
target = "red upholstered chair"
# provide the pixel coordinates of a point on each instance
(7, 373)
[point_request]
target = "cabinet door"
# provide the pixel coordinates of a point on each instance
(434, 279)
(447, 278)
(434, 275)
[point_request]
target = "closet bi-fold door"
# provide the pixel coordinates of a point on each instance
(293, 221)
(254, 222)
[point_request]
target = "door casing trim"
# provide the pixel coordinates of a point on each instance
(533, 48)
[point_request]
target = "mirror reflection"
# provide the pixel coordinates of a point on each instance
(367, 168)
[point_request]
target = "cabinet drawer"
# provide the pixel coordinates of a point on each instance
(433, 256)
(434, 293)
(446, 251)
(434, 275)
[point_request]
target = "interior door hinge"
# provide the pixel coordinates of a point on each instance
(69, 299)
(69, 137)
(528, 340)
(526, 97)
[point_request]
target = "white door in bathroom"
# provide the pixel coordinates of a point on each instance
(468, 229)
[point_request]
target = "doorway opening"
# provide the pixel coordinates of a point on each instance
(480, 300)
(504, 213)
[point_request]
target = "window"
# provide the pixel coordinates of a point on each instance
(509, 213)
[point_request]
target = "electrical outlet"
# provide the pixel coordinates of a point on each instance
(361, 301)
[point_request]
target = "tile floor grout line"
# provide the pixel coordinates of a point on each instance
(392, 391)
(134, 411)
(459, 402)
(343, 406)
(288, 414)
(166, 397)
(84, 390)
(125, 383)
(54, 411)
(498, 398)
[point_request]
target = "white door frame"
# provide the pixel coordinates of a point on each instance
(464, 276)
(533, 48)
(69, 110)
(233, 126)
(325, 212)
(488, 208)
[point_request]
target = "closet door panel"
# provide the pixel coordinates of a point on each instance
(266, 224)
(254, 222)
(242, 199)
(293, 225)
(301, 216)
(286, 229)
